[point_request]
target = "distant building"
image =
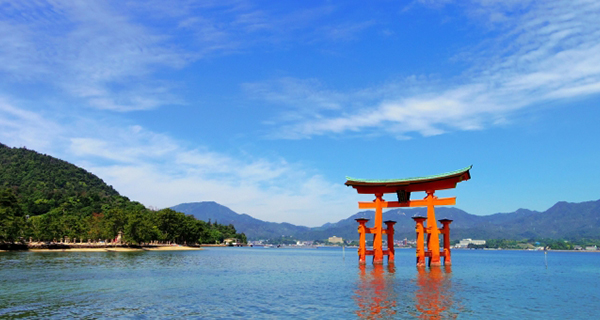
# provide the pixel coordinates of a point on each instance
(591, 248)
(466, 242)
(231, 241)
(335, 239)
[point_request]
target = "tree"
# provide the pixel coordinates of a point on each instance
(138, 228)
(215, 236)
(12, 220)
(113, 222)
(170, 223)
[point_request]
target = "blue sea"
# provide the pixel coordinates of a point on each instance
(260, 283)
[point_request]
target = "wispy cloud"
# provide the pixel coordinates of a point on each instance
(234, 26)
(346, 31)
(89, 50)
(549, 51)
(302, 98)
(108, 54)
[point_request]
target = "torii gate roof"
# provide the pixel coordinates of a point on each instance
(446, 180)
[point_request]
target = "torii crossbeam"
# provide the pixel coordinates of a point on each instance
(403, 189)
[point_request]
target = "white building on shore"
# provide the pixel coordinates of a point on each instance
(466, 242)
(335, 239)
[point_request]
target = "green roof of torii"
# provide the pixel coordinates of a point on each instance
(353, 181)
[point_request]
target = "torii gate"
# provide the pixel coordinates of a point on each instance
(403, 188)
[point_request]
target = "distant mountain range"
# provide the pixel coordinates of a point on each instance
(564, 220)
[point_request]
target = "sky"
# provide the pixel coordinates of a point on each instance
(266, 106)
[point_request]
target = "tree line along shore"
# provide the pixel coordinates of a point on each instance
(74, 219)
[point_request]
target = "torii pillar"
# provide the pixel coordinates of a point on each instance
(403, 189)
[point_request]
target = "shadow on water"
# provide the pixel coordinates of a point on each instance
(429, 295)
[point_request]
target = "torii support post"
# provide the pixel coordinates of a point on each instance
(420, 229)
(362, 245)
(377, 230)
(433, 239)
(446, 231)
(390, 240)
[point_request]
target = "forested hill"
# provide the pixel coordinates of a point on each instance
(46, 198)
(42, 182)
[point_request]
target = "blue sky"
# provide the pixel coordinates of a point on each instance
(266, 107)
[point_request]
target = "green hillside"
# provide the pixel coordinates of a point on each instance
(45, 198)
(42, 182)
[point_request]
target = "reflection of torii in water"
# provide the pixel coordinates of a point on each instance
(375, 295)
(403, 188)
(433, 298)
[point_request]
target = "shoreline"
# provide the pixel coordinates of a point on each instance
(105, 248)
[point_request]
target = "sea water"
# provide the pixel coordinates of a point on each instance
(260, 283)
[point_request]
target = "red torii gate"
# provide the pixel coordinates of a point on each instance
(403, 188)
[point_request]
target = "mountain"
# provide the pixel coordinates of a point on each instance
(243, 223)
(562, 221)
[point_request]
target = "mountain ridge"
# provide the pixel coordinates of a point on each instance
(563, 220)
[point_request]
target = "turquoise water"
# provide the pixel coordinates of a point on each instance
(225, 283)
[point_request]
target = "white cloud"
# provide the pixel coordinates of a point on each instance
(110, 55)
(88, 49)
(549, 52)
(156, 171)
(304, 201)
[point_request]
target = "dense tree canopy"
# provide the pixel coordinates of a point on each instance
(45, 198)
